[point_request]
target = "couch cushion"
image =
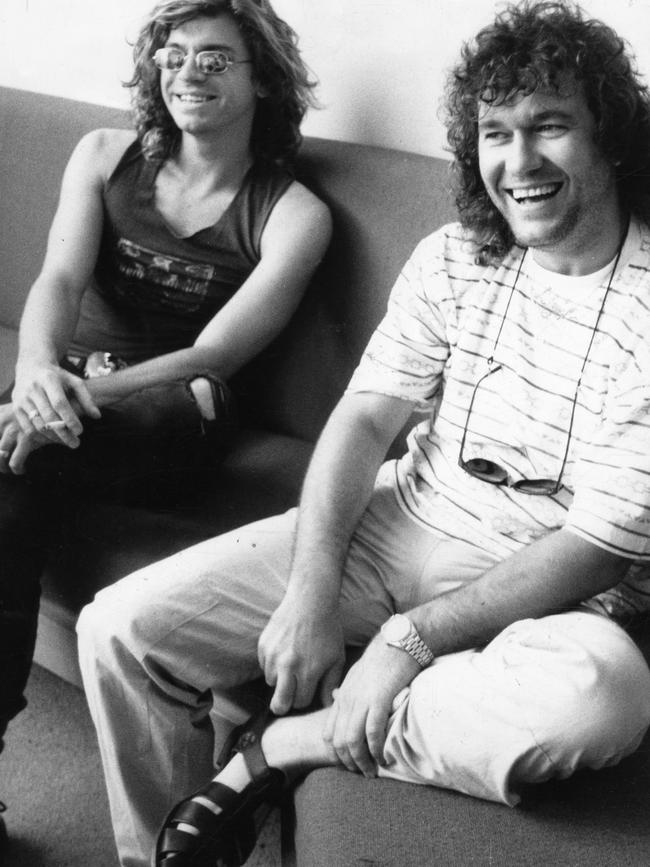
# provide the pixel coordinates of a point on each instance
(596, 819)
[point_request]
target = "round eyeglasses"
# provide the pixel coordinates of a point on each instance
(207, 62)
(488, 471)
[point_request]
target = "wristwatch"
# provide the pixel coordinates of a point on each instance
(398, 631)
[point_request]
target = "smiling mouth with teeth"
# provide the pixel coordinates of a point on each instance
(535, 194)
(193, 98)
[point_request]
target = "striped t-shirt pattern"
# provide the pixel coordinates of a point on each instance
(433, 345)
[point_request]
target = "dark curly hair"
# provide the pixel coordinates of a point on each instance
(277, 66)
(537, 46)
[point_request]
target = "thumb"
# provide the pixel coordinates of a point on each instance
(85, 401)
(330, 681)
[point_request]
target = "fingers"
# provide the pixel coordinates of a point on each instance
(330, 721)
(345, 731)
(279, 676)
(16, 461)
(330, 682)
(296, 657)
(17, 453)
(294, 688)
(86, 403)
(376, 726)
(52, 416)
(283, 696)
(37, 417)
(50, 426)
(14, 448)
(53, 408)
(357, 722)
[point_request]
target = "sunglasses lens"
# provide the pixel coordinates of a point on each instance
(212, 62)
(486, 471)
(169, 58)
(536, 486)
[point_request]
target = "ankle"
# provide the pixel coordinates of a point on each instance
(235, 774)
(295, 744)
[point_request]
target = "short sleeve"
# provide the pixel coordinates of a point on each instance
(408, 351)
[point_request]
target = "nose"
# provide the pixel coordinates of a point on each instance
(523, 155)
(189, 69)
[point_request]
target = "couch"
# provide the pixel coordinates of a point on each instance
(383, 202)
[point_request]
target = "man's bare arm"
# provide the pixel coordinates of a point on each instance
(302, 646)
(549, 576)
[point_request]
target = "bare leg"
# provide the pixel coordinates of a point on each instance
(293, 745)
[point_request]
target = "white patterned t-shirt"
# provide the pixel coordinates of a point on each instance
(433, 345)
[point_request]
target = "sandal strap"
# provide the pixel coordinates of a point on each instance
(249, 745)
(243, 735)
(175, 842)
(198, 815)
(255, 760)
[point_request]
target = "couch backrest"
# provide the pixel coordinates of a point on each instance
(383, 202)
(37, 136)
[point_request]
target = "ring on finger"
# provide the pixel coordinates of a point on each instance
(34, 414)
(4, 453)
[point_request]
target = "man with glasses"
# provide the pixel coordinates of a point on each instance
(177, 253)
(490, 571)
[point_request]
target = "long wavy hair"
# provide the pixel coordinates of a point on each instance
(277, 67)
(539, 46)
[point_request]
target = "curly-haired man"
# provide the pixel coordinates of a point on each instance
(489, 572)
(177, 253)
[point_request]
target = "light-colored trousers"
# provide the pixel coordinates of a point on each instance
(544, 698)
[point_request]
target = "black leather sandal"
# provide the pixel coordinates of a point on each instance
(226, 838)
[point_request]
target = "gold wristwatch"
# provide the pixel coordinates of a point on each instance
(398, 631)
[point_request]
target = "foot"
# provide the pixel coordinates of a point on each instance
(216, 825)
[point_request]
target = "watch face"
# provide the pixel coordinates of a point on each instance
(397, 628)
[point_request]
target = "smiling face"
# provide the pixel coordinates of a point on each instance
(544, 172)
(202, 104)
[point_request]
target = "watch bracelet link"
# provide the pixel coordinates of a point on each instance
(418, 650)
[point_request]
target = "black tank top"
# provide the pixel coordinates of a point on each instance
(153, 291)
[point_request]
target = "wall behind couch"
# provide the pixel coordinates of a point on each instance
(380, 63)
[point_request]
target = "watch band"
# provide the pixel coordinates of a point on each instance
(398, 631)
(418, 649)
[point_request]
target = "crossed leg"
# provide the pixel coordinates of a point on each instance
(542, 700)
(158, 646)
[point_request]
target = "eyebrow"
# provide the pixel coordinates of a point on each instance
(537, 117)
(215, 46)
